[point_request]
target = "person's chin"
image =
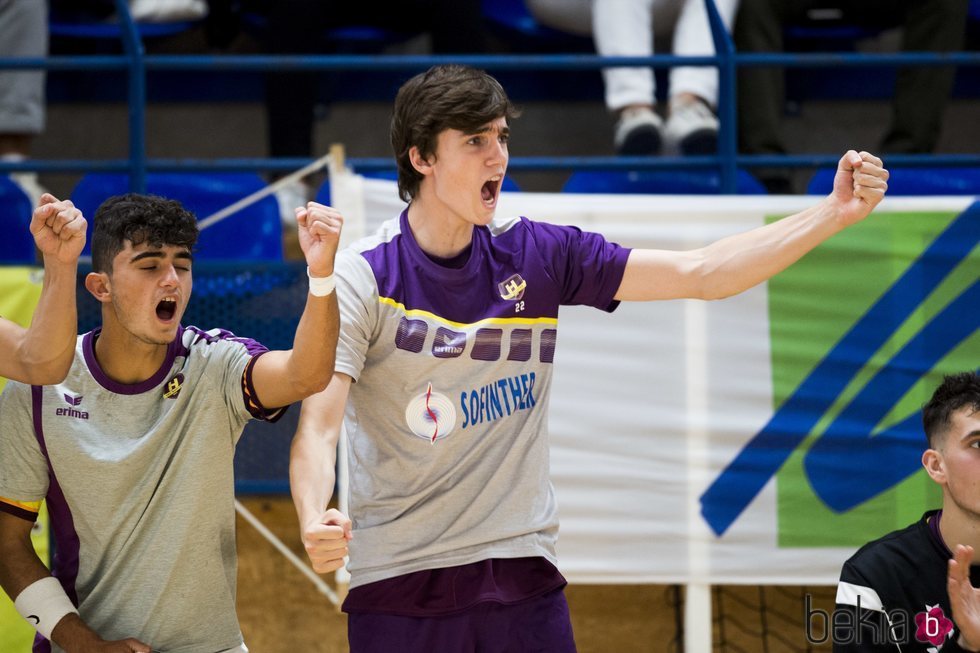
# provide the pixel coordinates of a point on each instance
(485, 215)
(165, 334)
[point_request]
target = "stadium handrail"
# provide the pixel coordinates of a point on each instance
(137, 64)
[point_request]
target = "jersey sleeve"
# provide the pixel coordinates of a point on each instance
(23, 466)
(588, 268)
(233, 359)
(860, 621)
(357, 298)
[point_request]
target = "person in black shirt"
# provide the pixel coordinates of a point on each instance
(909, 591)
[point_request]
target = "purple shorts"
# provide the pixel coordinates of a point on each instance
(540, 624)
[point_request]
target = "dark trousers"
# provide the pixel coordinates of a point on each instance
(538, 625)
(299, 27)
(921, 93)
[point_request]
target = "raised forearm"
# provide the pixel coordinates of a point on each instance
(47, 348)
(737, 263)
(311, 360)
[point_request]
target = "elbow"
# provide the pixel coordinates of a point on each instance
(315, 382)
(37, 376)
(715, 282)
(44, 371)
(714, 292)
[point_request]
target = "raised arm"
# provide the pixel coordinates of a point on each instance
(42, 354)
(737, 263)
(21, 569)
(312, 458)
(283, 377)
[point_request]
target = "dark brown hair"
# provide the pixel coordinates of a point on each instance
(139, 219)
(443, 97)
(955, 392)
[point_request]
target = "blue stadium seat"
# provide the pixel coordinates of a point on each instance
(113, 31)
(658, 182)
(323, 194)
(347, 39)
(511, 20)
(17, 244)
(912, 181)
(254, 233)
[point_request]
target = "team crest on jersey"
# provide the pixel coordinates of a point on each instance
(173, 387)
(513, 288)
(431, 415)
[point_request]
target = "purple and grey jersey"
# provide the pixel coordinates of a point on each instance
(139, 485)
(447, 420)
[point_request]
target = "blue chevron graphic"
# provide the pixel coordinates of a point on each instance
(889, 453)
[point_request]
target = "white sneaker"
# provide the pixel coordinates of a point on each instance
(638, 132)
(26, 180)
(692, 129)
(29, 184)
(289, 197)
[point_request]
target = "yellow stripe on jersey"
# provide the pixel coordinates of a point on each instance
(415, 312)
(29, 506)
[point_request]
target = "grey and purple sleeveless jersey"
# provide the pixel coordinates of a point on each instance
(447, 420)
(139, 485)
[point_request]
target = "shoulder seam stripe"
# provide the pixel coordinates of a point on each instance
(848, 594)
(416, 312)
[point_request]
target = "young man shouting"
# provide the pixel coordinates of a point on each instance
(448, 326)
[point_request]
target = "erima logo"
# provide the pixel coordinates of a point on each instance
(512, 288)
(72, 411)
(447, 349)
(36, 619)
(173, 387)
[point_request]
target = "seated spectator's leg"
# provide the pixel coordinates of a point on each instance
(295, 27)
(692, 127)
(921, 93)
(23, 33)
(625, 28)
(457, 26)
(761, 91)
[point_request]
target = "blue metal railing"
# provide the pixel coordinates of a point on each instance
(137, 64)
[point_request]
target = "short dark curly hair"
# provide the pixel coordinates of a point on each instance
(139, 219)
(956, 391)
(443, 97)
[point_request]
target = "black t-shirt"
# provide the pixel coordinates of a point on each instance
(892, 594)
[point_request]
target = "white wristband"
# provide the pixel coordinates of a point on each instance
(320, 286)
(43, 604)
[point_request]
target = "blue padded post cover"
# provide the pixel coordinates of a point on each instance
(912, 181)
(254, 233)
(658, 182)
(17, 244)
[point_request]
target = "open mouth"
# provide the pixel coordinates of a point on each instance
(490, 190)
(166, 308)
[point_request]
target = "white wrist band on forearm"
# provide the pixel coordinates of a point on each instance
(43, 604)
(320, 286)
